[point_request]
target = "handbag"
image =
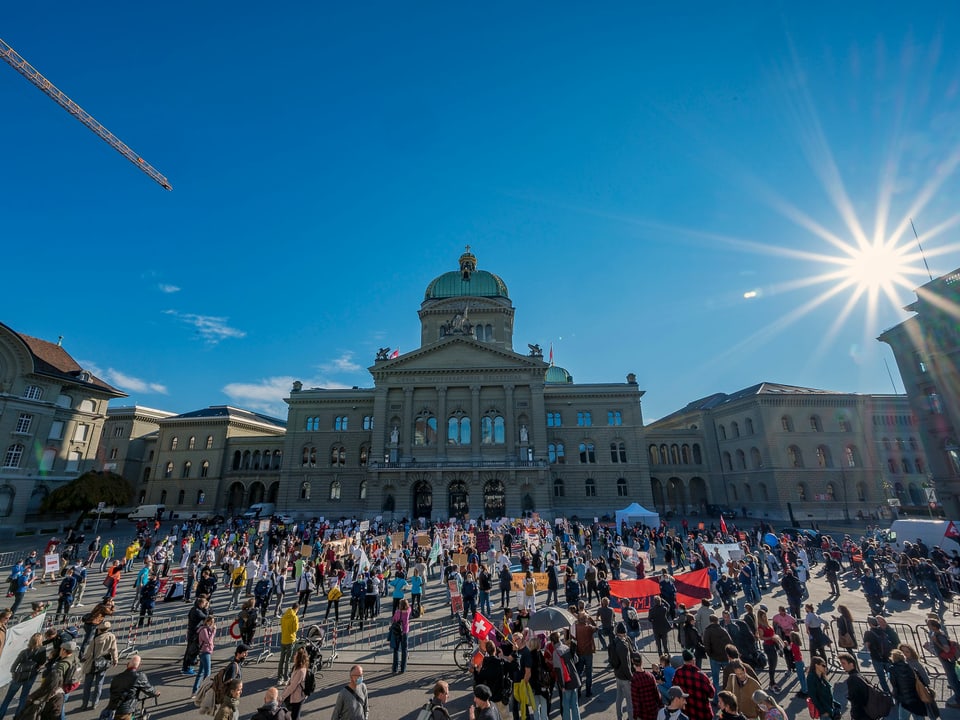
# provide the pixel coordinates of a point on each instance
(926, 694)
(812, 709)
(846, 641)
(101, 664)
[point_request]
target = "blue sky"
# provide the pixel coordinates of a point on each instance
(660, 188)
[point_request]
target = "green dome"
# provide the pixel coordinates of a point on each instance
(467, 282)
(557, 375)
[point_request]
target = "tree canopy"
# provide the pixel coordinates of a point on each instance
(87, 491)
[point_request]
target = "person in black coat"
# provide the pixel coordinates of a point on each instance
(857, 687)
(903, 684)
(660, 623)
(127, 686)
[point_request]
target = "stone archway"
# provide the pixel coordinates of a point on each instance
(494, 499)
(422, 500)
(458, 497)
(699, 496)
(257, 492)
(656, 488)
(235, 496)
(274, 492)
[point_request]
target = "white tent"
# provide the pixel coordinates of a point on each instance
(636, 513)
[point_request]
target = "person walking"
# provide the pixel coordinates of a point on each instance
(148, 600)
(228, 708)
(206, 634)
(399, 644)
(289, 627)
(125, 688)
(198, 613)
(247, 621)
(294, 695)
(482, 707)
(272, 708)
(903, 686)
(106, 555)
(643, 691)
(619, 652)
(584, 630)
(941, 644)
(24, 582)
(441, 693)
(333, 601)
(103, 656)
(820, 690)
(65, 595)
(23, 673)
(351, 701)
(112, 580)
(697, 685)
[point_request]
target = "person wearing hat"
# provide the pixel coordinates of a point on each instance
(697, 685)
(676, 702)
(481, 708)
(102, 657)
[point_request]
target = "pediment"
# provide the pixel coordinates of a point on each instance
(457, 354)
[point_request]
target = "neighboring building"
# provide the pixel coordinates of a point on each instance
(784, 452)
(927, 349)
(129, 440)
(52, 413)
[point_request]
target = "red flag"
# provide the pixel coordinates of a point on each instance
(691, 588)
(723, 525)
(480, 628)
(395, 354)
(551, 353)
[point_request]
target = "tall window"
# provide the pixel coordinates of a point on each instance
(749, 426)
(621, 487)
(735, 429)
(727, 460)
(556, 453)
(80, 433)
(338, 455)
(786, 422)
(368, 422)
(168, 470)
(309, 456)
(492, 430)
(794, 457)
(590, 486)
(335, 490)
(340, 423)
(614, 417)
(13, 456)
(823, 457)
(363, 489)
(364, 455)
(425, 430)
(73, 461)
(815, 423)
(553, 419)
(458, 431)
(204, 469)
(23, 423)
(934, 403)
(313, 424)
(186, 469)
(588, 453)
(118, 431)
(618, 452)
(654, 455)
(741, 460)
(192, 442)
(755, 458)
(209, 442)
(844, 424)
(174, 441)
(56, 430)
(33, 392)
(558, 488)
(584, 418)
(722, 431)
(852, 456)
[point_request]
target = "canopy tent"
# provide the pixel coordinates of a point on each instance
(636, 513)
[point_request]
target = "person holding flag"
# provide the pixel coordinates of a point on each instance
(723, 526)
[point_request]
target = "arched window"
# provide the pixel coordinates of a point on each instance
(185, 473)
(892, 465)
(802, 491)
(824, 459)
(209, 442)
(277, 459)
(313, 424)
(204, 469)
(13, 456)
(755, 460)
(458, 430)
(590, 487)
(794, 457)
(906, 465)
(815, 423)
(335, 490)
(749, 425)
(861, 491)
(309, 456)
(913, 444)
(741, 460)
(340, 423)
(844, 423)
(201, 497)
(622, 487)
(786, 422)
(831, 492)
(722, 430)
(852, 456)
(338, 456)
(919, 464)
(733, 492)
(168, 470)
(256, 460)
(618, 452)
(425, 430)
(245, 462)
(192, 442)
(747, 493)
(727, 460)
(764, 494)
(654, 455)
(697, 456)
(499, 430)
(174, 441)
(685, 454)
(368, 422)
(181, 496)
(236, 459)
(364, 455)
(664, 454)
(305, 490)
(558, 488)
(588, 452)
(363, 489)
(886, 444)
(163, 497)
(675, 454)
(735, 429)
(7, 494)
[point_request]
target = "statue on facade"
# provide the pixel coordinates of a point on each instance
(535, 350)
(524, 435)
(383, 353)
(395, 435)
(459, 325)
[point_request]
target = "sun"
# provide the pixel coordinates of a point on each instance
(878, 266)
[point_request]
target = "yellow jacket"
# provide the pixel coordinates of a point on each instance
(289, 625)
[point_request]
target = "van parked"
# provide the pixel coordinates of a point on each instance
(260, 510)
(147, 512)
(934, 533)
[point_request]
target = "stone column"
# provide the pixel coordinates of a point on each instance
(475, 421)
(381, 431)
(509, 423)
(441, 422)
(407, 434)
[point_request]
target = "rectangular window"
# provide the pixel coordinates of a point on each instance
(553, 420)
(118, 431)
(33, 392)
(80, 434)
(23, 423)
(47, 460)
(584, 418)
(114, 452)
(73, 461)
(614, 417)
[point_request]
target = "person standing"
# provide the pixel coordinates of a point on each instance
(65, 595)
(352, 699)
(23, 673)
(289, 627)
(305, 587)
(398, 586)
(676, 702)
(402, 616)
(272, 709)
(643, 691)
(196, 616)
(742, 686)
(228, 708)
(903, 684)
(697, 685)
(148, 600)
(206, 634)
(24, 583)
(820, 690)
(583, 631)
(941, 645)
(858, 689)
(112, 580)
(126, 686)
(106, 555)
(441, 693)
(715, 641)
(294, 694)
(247, 621)
(50, 696)
(482, 708)
(568, 678)
(103, 656)
(238, 580)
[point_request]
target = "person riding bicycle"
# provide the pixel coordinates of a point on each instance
(127, 688)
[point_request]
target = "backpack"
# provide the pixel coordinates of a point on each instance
(71, 677)
(262, 589)
(334, 594)
(879, 704)
(426, 712)
(205, 699)
(309, 683)
(528, 588)
(544, 675)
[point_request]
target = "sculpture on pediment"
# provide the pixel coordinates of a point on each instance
(459, 325)
(383, 353)
(535, 350)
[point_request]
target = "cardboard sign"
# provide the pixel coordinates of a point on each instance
(397, 539)
(460, 559)
(423, 540)
(364, 525)
(51, 563)
(456, 599)
(306, 550)
(483, 541)
(540, 579)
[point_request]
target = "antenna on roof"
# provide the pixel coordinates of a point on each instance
(60, 341)
(930, 274)
(890, 374)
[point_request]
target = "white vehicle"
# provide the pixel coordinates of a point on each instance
(942, 533)
(260, 510)
(147, 512)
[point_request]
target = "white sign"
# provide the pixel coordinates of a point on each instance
(931, 494)
(364, 525)
(51, 563)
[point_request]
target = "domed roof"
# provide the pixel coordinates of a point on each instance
(467, 282)
(557, 375)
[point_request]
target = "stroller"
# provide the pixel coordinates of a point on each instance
(312, 641)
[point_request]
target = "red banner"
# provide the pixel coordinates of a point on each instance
(691, 588)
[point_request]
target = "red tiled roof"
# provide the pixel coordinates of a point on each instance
(51, 359)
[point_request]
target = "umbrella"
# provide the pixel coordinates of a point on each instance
(551, 618)
(771, 540)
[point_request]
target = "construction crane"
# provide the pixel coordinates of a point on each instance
(14, 60)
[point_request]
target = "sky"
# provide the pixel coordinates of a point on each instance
(708, 196)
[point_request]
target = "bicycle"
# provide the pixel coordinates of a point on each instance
(466, 647)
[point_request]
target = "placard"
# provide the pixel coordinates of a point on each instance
(306, 550)
(264, 526)
(460, 559)
(541, 579)
(483, 540)
(364, 525)
(456, 599)
(423, 540)
(397, 539)
(51, 563)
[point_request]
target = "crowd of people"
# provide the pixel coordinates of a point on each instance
(712, 669)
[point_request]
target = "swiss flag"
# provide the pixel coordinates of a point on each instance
(395, 354)
(952, 531)
(480, 628)
(723, 525)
